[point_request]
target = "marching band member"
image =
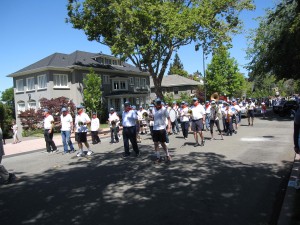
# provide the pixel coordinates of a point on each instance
(174, 124)
(250, 106)
(184, 119)
(207, 115)
(114, 123)
(151, 118)
(228, 119)
(216, 116)
(198, 118)
(141, 119)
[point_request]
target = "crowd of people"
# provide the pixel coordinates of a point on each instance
(160, 118)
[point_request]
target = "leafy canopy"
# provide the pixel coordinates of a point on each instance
(148, 32)
(275, 47)
(222, 74)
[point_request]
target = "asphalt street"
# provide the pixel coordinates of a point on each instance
(236, 181)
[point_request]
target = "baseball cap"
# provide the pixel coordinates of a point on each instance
(64, 109)
(111, 109)
(174, 102)
(126, 103)
(79, 107)
(158, 101)
(195, 99)
(45, 110)
(213, 102)
(94, 113)
(183, 102)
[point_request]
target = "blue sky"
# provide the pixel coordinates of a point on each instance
(34, 29)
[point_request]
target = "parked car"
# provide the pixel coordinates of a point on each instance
(285, 108)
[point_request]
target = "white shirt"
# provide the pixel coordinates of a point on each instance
(95, 124)
(160, 118)
(250, 106)
(207, 109)
(129, 118)
(183, 116)
(198, 112)
(82, 118)
(114, 117)
(66, 122)
(48, 122)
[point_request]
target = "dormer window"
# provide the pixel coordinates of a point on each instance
(108, 61)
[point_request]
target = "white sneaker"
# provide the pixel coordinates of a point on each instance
(79, 154)
(89, 152)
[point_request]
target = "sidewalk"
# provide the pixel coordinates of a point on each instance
(32, 144)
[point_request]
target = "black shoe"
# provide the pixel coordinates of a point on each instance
(117, 141)
(125, 155)
(111, 142)
(202, 143)
(235, 132)
(72, 151)
(196, 145)
(11, 178)
(138, 154)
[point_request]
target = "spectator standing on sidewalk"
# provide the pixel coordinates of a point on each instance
(95, 125)
(66, 130)
(4, 174)
(15, 132)
(48, 131)
(129, 121)
(81, 122)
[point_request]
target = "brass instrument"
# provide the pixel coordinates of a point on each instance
(190, 112)
(145, 115)
(215, 97)
(113, 123)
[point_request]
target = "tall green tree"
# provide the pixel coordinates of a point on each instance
(275, 44)
(148, 32)
(92, 93)
(222, 74)
(177, 67)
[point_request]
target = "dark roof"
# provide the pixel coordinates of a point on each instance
(77, 58)
(175, 80)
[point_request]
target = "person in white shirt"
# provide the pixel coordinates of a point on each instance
(15, 132)
(95, 125)
(160, 115)
(66, 130)
(174, 124)
(114, 123)
(48, 131)
(184, 119)
(228, 119)
(81, 122)
(250, 106)
(207, 115)
(236, 119)
(129, 118)
(141, 120)
(198, 118)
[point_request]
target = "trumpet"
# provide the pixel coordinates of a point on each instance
(190, 112)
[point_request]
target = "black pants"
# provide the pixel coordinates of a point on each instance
(211, 123)
(129, 133)
(49, 140)
(95, 137)
(114, 134)
(185, 128)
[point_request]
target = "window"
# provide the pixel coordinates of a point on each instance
(137, 82)
(100, 60)
(105, 79)
(115, 62)
(21, 106)
(176, 91)
(42, 82)
(30, 83)
(131, 80)
(60, 80)
(119, 85)
(32, 104)
(143, 82)
(108, 61)
(19, 85)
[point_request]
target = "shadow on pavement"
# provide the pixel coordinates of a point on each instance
(199, 188)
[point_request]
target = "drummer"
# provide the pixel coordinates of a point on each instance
(174, 121)
(141, 118)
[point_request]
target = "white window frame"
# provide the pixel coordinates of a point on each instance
(131, 80)
(137, 82)
(32, 104)
(30, 84)
(42, 81)
(20, 85)
(21, 106)
(63, 80)
(119, 85)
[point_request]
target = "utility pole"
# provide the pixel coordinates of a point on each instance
(204, 75)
